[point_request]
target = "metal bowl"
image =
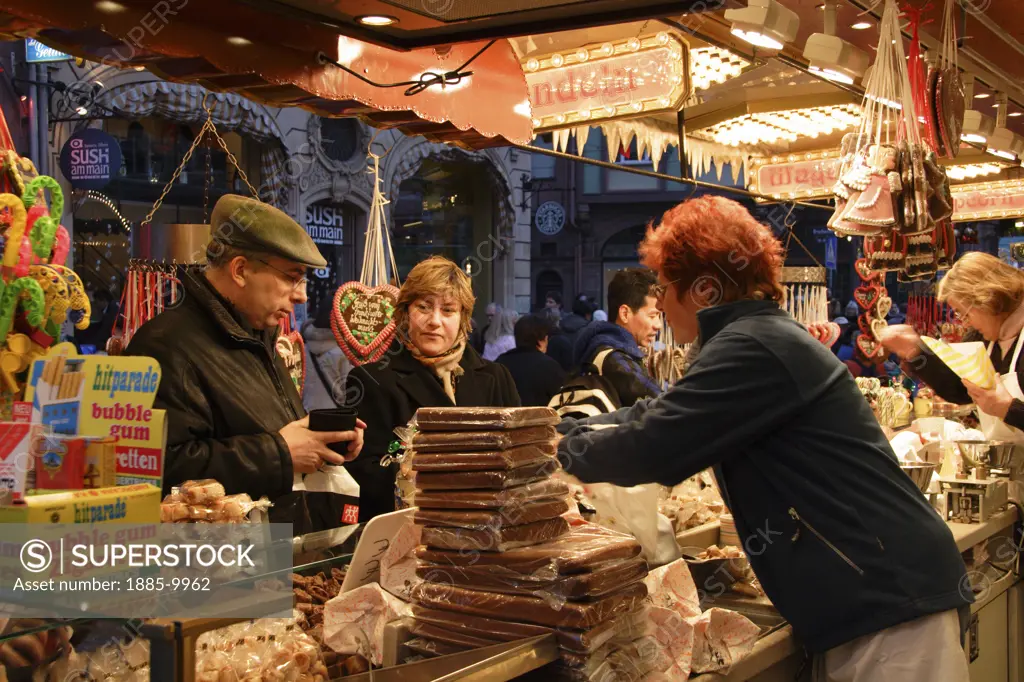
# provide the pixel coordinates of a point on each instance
(993, 454)
(920, 474)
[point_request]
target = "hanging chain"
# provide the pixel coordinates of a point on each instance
(208, 127)
(208, 181)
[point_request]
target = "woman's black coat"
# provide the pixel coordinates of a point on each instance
(387, 394)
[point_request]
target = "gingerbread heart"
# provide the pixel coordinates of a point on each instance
(831, 334)
(864, 323)
(877, 327)
(292, 349)
(866, 297)
(867, 346)
(884, 306)
(362, 319)
(864, 271)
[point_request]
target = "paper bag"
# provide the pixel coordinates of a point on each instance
(968, 361)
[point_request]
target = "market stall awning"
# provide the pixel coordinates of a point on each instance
(269, 58)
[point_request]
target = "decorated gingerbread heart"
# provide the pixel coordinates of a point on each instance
(883, 307)
(292, 349)
(363, 320)
(864, 271)
(868, 347)
(833, 334)
(866, 297)
(877, 327)
(864, 323)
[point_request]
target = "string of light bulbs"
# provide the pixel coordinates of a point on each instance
(109, 203)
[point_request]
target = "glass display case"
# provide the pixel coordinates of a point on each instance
(171, 642)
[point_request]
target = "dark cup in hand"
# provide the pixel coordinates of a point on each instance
(336, 419)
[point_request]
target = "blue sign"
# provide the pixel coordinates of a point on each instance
(36, 52)
(90, 159)
(830, 252)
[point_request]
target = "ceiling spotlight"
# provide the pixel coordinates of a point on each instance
(977, 127)
(1014, 114)
(377, 20)
(833, 58)
(982, 95)
(239, 41)
(764, 23)
(861, 25)
(82, 111)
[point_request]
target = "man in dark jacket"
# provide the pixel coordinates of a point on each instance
(636, 326)
(537, 376)
(233, 412)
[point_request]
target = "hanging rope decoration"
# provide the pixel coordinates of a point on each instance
(362, 316)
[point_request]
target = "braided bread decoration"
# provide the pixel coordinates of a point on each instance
(19, 169)
(16, 230)
(29, 294)
(58, 298)
(81, 309)
(44, 230)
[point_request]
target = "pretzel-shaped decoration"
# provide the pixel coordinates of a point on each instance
(61, 246)
(58, 298)
(44, 228)
(81, 309)
(29, 294)
(17, 168)
(15, 231)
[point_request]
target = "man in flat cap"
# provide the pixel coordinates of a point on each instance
(234, 414)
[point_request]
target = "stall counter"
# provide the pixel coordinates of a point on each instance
(778, 657)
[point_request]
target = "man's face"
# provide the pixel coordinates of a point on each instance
(542, 345)
(644, 324)
(270, 289)
(551, 304)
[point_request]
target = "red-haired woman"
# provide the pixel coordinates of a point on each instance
(843, 542)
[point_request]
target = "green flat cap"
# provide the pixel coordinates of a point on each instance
(247, 223)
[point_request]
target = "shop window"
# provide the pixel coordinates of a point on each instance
(593, 149)
(631, 182)
(542, 166)
(449, 208)
(339, 138)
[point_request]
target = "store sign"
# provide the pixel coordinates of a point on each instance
(988, 200)
(798, 176)
(550, 218)
(325, 223)
(36, 52)
(639, 76)
(90, 159)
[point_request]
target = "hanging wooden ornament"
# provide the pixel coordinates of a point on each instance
(950, 99)
(362, 314)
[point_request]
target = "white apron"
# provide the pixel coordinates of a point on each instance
(993, 427)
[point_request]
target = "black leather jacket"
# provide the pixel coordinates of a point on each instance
(227, 394)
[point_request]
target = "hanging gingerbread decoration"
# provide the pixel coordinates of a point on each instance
(362, 316)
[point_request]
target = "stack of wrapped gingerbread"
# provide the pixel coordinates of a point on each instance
(498, 560)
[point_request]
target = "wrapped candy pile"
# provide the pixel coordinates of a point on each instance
(205, 501)
(499, 562)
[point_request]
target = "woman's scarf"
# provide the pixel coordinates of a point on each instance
(446, 365)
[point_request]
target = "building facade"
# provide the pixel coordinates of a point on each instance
(465, 205)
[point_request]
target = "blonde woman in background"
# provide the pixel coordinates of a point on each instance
(430, 364)
(987, 295)
(500, 336)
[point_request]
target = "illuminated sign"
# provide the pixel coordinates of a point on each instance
(796, 176)
(988, 200)
(637, 76)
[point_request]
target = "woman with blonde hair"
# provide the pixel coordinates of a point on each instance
(500, 336)
(987, 295)
(430, 364)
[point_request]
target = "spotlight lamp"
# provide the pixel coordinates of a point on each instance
(764, 23)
